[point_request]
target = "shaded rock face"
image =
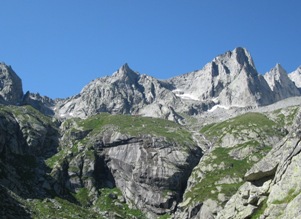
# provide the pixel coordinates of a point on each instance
(26, 138)
(11, 91)
(11, 137)
(11, 208)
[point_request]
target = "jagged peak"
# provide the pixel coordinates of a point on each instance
(125, 70)
(125, 74)
(278, 70)
(243, 56)
(125, 67)
(279, 67)
(239, 55)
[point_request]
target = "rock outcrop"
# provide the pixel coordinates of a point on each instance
(27, 138)
(272, 189)
(11, 91)
(42, 103)
(235, 145)
(151, 171)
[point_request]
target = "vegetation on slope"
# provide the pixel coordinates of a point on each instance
(238, 143)
(138, 125)
(78, 143)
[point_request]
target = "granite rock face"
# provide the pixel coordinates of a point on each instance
(235, 145)
(42, 103)
(27, 138)
(230, 79)
(295, 76)
(280, 83)
(11, 91)
(150, 171)
(125, 92)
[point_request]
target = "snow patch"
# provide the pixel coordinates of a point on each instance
(223, 107)
(218, 106)
(215, 100)
(181, 94)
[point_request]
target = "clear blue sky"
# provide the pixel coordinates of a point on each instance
(58, 46)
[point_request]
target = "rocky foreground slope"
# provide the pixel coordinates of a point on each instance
(215, 146)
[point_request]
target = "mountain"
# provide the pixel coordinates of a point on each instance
(295, 76)
(280, 83)
(125, 92)
(230, 80)
(209, 144)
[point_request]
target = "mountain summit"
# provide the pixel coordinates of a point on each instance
(295, 76)
(280, 83)
(126, 74)
(229, 79)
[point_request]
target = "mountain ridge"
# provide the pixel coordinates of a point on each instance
(229, 80)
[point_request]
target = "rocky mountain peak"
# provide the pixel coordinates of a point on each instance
(125, 73)
(295, 76)
(239, 56)
(243, 56)
(276, 74)
(231, 79)
(280, 69)
(11, 90)
(279, 82)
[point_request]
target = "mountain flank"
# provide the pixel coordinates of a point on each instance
(220, 142)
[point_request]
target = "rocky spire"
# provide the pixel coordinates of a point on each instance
(238, 57)
(279, 82)
(295, 76)
(11, 90)
(125, 73)
(243, 57)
